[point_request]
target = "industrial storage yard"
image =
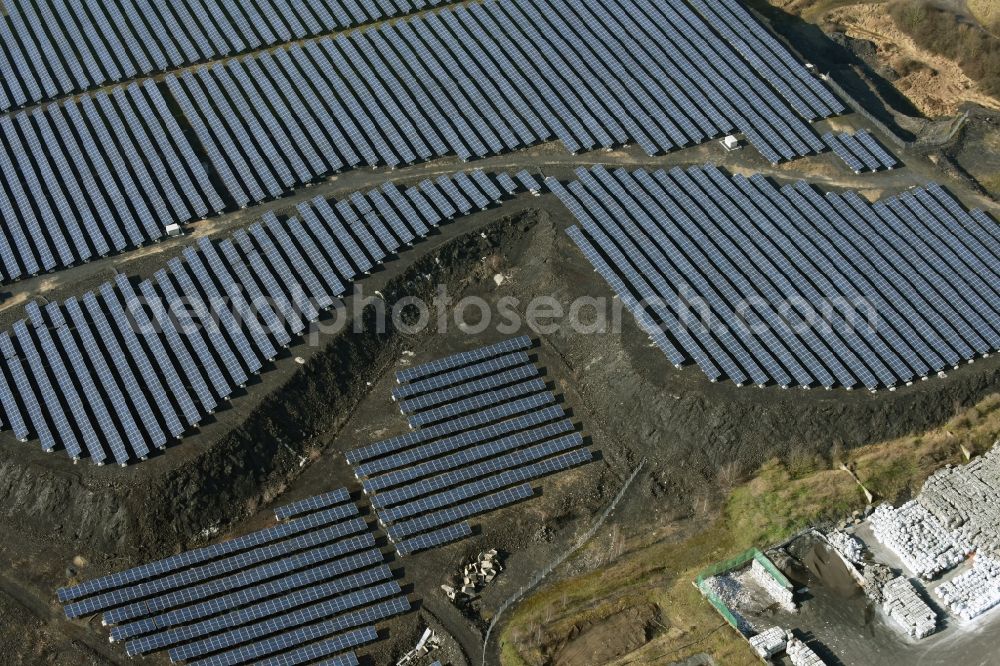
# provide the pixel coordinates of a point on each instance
(517, 332)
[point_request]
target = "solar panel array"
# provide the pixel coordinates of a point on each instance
(94, 176)
(485, 426)
(786, 286)
(860, 151)
(56, 47)
(129, 367)
(497, 76)
(301, 590)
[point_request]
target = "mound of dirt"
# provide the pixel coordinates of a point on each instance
(603, 641)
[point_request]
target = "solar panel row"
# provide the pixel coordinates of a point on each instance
(137, 365)
(282, 595)
(426, 480)
(494, 77)
(463, 374)
(860, 151)
(454, 434)
(310, 504)
(797, 288)
(507, 477)
(93, 176)
(506, 497)
(55, 48)
(434, 538)
(464, 358)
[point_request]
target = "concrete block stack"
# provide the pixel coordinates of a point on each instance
(847, 545)
(769, 642)
(966, 499)
(773, 588)
(975, 591)
(475, 576)
(801, 654)
(902, 603)
(916, 536)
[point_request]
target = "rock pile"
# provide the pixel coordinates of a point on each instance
(902, 603)
(916, 536)
(966, 499)
(847, 545)
(876, 576)
(475, 576)
(769, 642)
(801, 654)
(975, 591)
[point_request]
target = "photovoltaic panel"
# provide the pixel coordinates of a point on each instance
(487, 185)
(408, 528)
(501, 413)
(34, 365)
(467, 446)
(875, 148)
(173, 605)
(310, 504)
(174, 587)
(434, 538)
(732, 239)
(468, 388)
(169, 361)
(189, 324)
(250, 585)
(462, 465)
(482, 486)
(199, 555)
(476, 402)
(254, 652)
(150, 378)
(463, 358)
(241, 618)
(462, 374)
(506, 182)
(250, 312)
(312, 651)
(285, 620)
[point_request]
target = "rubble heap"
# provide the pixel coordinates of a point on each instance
(475, 576)
(924, 545)
(966, 499)
(903, 604)
(428, 642)
(975, 591)
(769, 642)
(847, 545)
(876, 576)
(773, 588)
(801, 654)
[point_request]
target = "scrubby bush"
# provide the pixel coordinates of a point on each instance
(975, 50)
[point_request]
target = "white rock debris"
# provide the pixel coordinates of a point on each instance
(975, 591)
(769, 642)
(847, 545)
(916, 536)
(966, 499)
(801, 654)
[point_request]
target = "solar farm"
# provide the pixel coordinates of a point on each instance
(307, 305)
